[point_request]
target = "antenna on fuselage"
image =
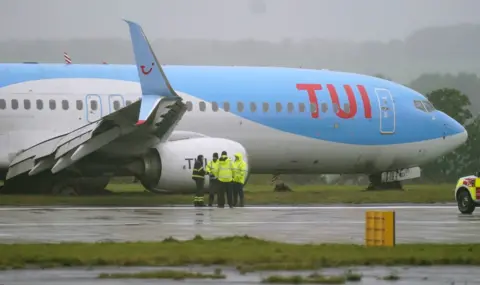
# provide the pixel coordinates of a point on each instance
(67, 58)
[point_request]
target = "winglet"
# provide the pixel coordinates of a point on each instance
(153, 81)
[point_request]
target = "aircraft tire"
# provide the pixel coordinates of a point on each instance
(65, 188)
(93, 185)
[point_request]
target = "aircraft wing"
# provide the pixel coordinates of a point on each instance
(150, 120)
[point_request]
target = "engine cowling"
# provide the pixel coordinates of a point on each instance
(168, 167)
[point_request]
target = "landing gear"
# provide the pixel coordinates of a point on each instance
(65, 188)
(64, 185)
(280, 186)
(465, 202)
(80, 186)
(377, 184)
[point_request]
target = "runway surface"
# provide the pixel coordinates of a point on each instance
(415, 224)
(371, 275)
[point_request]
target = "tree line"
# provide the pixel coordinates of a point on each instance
(435, 49)
(457, 96)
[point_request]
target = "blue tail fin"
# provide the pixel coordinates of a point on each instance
(153, 81)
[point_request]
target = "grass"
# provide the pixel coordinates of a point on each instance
(351, 276)
(393, 276)
(135, 195)
(248, 254)
(164, 274)
(298, 279)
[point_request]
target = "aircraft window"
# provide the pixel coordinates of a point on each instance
(189, 106)
(419, 105)
(52, 104)
(428, 106)
(301, 107)
(93, 105)
(324, 107)
(214, 106)
(39, 104)
(116, 105)
(278, 106)
(79, 104)
(3, 104)
(253, 107)
(240, 106)
(64, 104)
(313, 108)
(14, 104)
(202, 106)
(335, 108)
(290, 107)
(128, 102)
(265, 107)
(26, 104)
(226, 106)
(346, 107)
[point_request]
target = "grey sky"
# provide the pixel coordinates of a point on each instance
(231, 19)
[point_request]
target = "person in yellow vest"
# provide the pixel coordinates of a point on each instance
(211, 168)
(225, 178)
(198, 175)
(239, 175)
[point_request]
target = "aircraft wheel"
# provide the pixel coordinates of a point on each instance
(465, 203)
(93, 185)
(65, 189)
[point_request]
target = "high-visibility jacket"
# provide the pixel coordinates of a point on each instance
(212, 168)
(225, 169)
(198, 170)
(239, 169)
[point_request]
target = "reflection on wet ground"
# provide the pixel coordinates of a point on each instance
(290, 224)
(372, 275)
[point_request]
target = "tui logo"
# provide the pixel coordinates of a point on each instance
(146, 72)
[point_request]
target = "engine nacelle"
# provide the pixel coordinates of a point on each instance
(168, 167)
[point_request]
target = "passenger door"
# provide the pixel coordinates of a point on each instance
(93, 107)
(387, 111)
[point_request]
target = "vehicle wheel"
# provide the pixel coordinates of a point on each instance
(465, 203)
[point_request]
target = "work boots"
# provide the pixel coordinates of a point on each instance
(198, 201)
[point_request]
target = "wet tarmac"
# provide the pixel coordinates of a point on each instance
(370, 275)
(344, 224)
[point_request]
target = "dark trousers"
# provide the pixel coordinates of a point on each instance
(225, 188)
(198, 200)
(213, 190)
(238, 194)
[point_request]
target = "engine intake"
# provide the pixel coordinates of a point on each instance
(168, 167)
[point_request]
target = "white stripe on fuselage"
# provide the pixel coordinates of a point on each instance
(268, 148)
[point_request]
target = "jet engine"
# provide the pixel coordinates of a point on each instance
(168, 167)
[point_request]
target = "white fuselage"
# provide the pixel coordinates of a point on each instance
(269, 150)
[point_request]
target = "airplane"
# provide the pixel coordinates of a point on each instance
(67, 129)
